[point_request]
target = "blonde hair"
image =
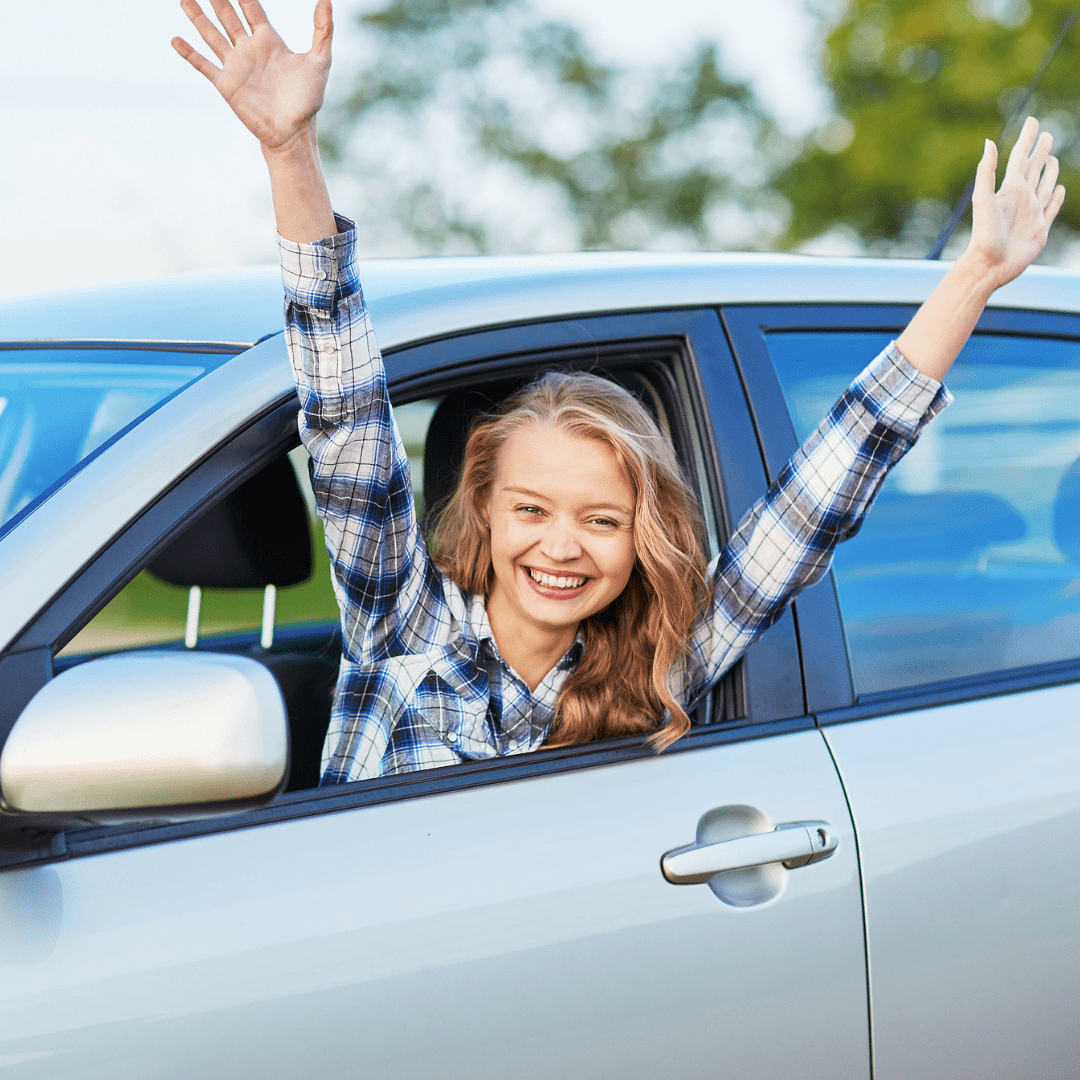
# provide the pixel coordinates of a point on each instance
(621, 685)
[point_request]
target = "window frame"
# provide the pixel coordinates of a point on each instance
(825, 658)
(712, 399)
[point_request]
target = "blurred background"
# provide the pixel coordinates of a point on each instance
(458, 126)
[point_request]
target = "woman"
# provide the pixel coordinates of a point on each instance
(570, 599)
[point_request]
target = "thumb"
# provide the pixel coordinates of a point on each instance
(324, 29)
(986, 174)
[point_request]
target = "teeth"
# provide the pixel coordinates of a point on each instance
(551, 582)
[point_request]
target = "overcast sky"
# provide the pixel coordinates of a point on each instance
(122, 163)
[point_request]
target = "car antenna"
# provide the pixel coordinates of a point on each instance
(965, 200)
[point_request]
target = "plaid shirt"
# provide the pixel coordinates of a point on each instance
(422, 683)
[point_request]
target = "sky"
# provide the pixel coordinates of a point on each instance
(122, 163)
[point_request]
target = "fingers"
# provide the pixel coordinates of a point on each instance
(986, 173)
(1046, 188)
(195, 59)
(324, 28)
(253, 12)
(213, 37)
(229, 20)
(1039, 158)
(1054, 206)
(1021, 152)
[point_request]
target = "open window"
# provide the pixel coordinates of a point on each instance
(248, 574)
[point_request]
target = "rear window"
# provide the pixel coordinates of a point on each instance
(969, 562)
(60, 407)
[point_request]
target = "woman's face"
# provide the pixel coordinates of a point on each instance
(562, 529)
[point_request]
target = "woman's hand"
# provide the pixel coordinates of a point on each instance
(274, 91)
(1010, 226)
(1009, 229)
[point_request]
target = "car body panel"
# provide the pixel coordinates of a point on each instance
(521, 929)
(969, 837)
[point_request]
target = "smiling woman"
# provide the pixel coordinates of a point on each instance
(573, 518)
(567, 599)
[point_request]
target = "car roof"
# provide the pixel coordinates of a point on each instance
(417, 299)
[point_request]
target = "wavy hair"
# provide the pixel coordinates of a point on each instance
(621, 685)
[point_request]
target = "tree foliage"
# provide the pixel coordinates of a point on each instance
(479, 125)
(918, 86)
(487, 122)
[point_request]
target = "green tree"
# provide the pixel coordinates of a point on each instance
(918, 85)
(480, 126)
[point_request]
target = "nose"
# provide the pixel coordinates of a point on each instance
(560, 542)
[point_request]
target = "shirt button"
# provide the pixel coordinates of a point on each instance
(320, 274)
(328, 348)
(451, 737)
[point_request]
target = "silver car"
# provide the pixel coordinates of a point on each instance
(864, 860)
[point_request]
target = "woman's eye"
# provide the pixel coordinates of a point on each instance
(531, 510)
(606, 523)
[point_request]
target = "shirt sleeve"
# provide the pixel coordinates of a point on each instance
(786, 540)
(386, 586)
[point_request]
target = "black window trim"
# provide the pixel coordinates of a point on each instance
(693, 337)
(825, 658)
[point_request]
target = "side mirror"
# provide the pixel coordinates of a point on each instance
(125, 737)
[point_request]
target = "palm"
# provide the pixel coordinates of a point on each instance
(274, 91)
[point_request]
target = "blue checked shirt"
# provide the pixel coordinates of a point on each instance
(422, 683)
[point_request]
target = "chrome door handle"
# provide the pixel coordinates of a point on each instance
(794, 844)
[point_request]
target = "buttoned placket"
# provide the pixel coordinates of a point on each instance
(518, 702)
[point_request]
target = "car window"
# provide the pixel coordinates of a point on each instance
(969, 562)
(150, 611)
(58, 407)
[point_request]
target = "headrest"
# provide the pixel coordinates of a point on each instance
(444, 447)
(1067, 514)
(256, 536)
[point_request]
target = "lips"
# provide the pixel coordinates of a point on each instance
(560, 582)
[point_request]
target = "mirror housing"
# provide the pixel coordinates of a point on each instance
(147, 735)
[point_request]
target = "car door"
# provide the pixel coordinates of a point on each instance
(489, 919)
(960, 745)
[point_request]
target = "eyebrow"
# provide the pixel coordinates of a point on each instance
(546, 498)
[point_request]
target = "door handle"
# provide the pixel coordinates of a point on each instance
(794, 844)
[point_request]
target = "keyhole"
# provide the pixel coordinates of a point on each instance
(823, 838)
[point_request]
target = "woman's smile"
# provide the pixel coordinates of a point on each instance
(561, 584)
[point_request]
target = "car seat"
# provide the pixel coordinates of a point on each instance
(444, 446)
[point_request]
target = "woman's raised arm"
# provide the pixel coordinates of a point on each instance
(785, 541)
(276, 94)
(1009, 229)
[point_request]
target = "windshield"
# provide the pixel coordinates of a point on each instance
(58, 407)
